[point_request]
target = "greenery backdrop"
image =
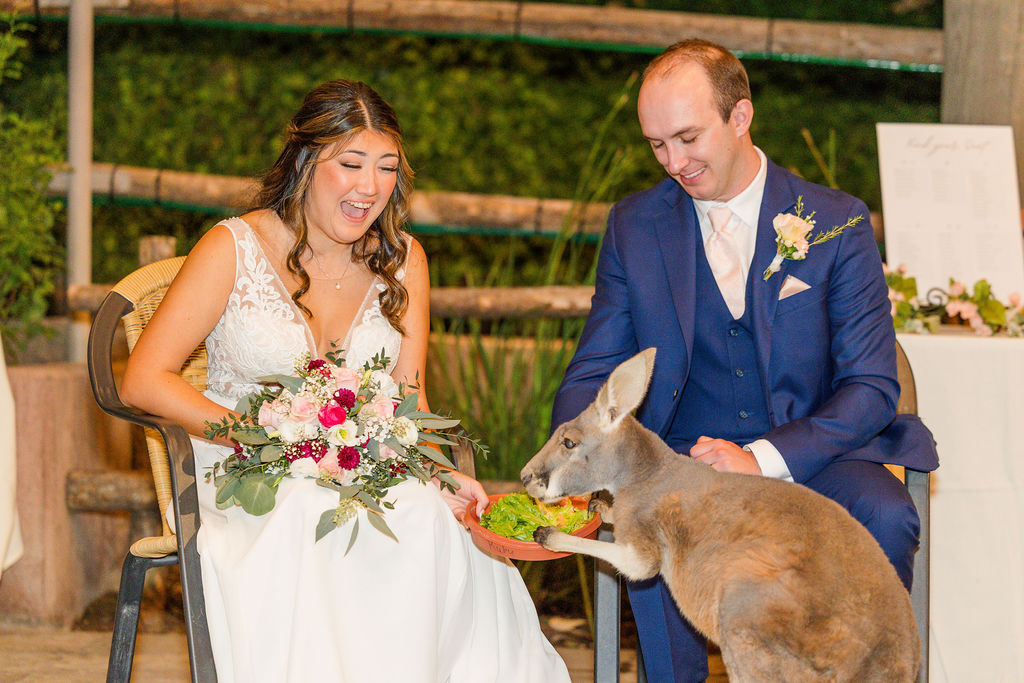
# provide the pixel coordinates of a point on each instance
(480, 115)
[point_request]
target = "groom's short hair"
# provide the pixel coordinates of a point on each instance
(728, 77)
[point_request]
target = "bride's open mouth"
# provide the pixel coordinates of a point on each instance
(356, 210)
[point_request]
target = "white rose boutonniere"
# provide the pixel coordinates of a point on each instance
(792, 230)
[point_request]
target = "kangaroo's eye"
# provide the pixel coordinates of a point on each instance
(569, 443)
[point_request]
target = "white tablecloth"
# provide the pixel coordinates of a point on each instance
(970, 393)
(10, 538)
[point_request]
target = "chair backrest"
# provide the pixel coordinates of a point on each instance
(145, 289)
(907, 404)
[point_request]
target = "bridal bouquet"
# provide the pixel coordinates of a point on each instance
(356, 432)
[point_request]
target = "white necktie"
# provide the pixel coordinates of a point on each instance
(723, 255)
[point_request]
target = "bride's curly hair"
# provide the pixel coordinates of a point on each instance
(333, 113)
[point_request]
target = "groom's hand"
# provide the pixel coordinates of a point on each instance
(724, 456)
(469, 489)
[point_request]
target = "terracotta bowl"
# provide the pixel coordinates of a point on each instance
(521, 550)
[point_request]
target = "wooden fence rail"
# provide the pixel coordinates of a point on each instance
(454, 210)
(503, 213)
(548, 22)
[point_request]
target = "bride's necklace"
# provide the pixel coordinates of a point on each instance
(337, 280)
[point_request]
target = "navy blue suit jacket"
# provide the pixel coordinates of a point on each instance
(826, 356)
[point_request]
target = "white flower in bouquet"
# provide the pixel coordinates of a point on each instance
(384, 382)
(304, 467)
(405, 431)
(344, 434)
(292, 431)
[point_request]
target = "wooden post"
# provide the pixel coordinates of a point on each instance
(983, 79)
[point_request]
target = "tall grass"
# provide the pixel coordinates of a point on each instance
(500, 377)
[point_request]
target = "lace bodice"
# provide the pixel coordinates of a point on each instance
(262, 331)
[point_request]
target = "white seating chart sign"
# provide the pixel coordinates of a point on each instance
(950, 205)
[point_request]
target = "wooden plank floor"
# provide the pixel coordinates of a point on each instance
(47, 656)
(43, 656)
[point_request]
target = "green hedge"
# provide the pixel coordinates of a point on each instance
(480, 115)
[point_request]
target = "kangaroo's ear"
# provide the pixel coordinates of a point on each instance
(624, 390)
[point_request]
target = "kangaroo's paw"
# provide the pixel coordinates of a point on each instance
(602, 508)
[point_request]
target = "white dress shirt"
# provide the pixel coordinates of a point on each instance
(746, 210)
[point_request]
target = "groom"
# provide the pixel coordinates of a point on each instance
(793, 376)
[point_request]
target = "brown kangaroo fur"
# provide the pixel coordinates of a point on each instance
(789, 585)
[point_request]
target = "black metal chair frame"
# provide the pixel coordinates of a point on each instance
(185, 511)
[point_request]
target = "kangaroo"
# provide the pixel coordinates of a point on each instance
(790, 586)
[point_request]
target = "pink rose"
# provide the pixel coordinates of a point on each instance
(346, 378)
(304, 409)
(332, 414)
(1014, 299)
(387, 453)
(956, 289)
(329, 463)
(381, 406)
(268, 417)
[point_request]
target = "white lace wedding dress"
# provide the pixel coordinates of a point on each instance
(281, 607)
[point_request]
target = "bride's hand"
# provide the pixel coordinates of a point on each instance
(469, 489)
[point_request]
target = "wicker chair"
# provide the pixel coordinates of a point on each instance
(607, 587)
(133, 300)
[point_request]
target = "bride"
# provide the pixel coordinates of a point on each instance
(324, 259)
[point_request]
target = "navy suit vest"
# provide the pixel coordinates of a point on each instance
(722, 397)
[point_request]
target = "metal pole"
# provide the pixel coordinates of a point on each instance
(79, 247)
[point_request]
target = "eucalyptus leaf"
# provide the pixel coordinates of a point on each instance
(226, 490)
(270, 453)
(380, 525)
(289, 382)
(373, 449)
(407, 405)
(256, 495)
(419, 414)
(352, 538)
(438, 457)
(447, 478)
(393, 443)
(244, 404)
(326, 524)
(250, 436)
(367, 500)
(431, 437)
(437, 423)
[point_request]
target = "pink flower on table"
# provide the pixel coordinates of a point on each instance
(957, 288)
(380, 405)
(1014, 299)
(332, 414)
(304, 409)
(346, 378)
(980, 328)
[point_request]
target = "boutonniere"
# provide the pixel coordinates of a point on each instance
(792, 230)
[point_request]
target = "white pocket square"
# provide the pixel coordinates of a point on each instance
(791, 286)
